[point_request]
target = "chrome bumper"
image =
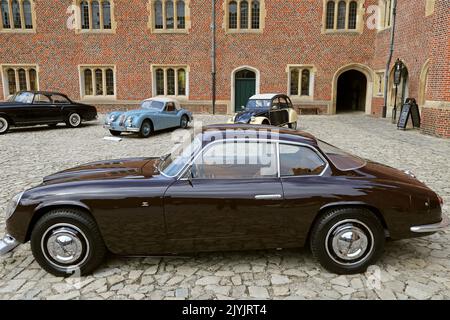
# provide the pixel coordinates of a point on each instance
(122, 129)
(435, 227)
(7, 244)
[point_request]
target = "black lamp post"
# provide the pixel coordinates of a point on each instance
(398, 72)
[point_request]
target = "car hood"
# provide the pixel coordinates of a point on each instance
(133, 168)
(384, 172)
(246, 115)
(136, 112)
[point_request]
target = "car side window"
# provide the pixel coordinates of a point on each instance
(236, 160)
(299, 161)
(41, 99)
(283, 103)
(275, 104)
(59, 99)
(170, 107)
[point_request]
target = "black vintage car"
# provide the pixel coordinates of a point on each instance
(268, 109)
(28, 108)
(233, 187)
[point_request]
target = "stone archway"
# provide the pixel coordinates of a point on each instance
(361, 79)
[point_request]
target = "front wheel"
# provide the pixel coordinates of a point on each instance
(184, 122)
(146, 129)
(293, 125)
(4, 125)
(74, 120)
(66, 242)
(347, 240)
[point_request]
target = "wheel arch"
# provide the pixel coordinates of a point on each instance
(7, 117)
(341, 205)
(260, 120)
(46, 208)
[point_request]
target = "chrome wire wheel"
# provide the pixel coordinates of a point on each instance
(65, 246)
(74, 120)
(184, 122)
(349, 242)
(3, 125)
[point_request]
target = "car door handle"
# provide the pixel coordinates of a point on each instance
(268, 197)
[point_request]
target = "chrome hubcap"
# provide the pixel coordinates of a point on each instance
(65, 245)
(75, 119)
(146, 128)
(349, 242)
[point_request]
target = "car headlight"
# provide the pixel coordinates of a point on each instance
(129, 122)
(12, 205)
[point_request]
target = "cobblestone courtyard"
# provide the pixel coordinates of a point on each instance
(409, 269)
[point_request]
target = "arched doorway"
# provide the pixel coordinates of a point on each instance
(244, 87)
(351, 91)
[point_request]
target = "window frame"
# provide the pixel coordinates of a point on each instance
(79, 17)
(176, 21)
(300, 68)
(93, 68)
(181, 174)
(359, 19)
(385, 22)
(23, 27)
(176, 68)
(16, 67)
(239, 28)
(302, 146)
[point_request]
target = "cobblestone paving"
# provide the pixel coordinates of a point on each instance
(409, 269)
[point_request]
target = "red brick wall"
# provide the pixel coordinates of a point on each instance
(436, 122)
(377, 107)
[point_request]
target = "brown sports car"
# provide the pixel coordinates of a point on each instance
(232, 187)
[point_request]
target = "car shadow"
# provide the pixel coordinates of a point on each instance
(132, 135)
(39, 128)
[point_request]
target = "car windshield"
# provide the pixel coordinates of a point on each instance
(175, 161)
(23, 97)
(153, 105)
(258, 104)
(342, 160)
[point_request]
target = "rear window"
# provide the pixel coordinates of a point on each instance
(342, 160)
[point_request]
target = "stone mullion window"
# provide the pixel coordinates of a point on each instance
(347, 16)
(16, 78)
(251, 10)
(98, 87)
(158, 21)
(103, 26)
(170, 83)
(301, 83)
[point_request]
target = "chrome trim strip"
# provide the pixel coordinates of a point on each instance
(268, 197)
(435, 227)
(7, 244)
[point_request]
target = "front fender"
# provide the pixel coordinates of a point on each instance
(259, 120)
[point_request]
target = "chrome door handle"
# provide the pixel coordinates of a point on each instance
(268, 197)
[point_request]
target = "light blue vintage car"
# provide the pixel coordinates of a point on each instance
(155, 114)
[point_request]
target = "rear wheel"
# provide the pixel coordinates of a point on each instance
(66, 242)
(184, 122)
(347, 240)
(4, 125)
(115, 133)
(146, 129)
(74, 120)
(293, 125)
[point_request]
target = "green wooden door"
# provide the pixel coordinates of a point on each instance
(245, 85)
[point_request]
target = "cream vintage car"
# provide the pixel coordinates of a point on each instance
(268, 109)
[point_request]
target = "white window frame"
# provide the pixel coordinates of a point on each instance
(4, 74)
(22, 29)
(262, 17)
(152, 17)
(359, 17)
(300, 67)
(79, 13)
(175, 67)
(93, 67)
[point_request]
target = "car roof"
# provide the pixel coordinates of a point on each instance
(265, 96)
(217, 131)
(162, 99)
(43, 92)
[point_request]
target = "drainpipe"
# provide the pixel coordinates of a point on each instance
(391, 53)
(213, 55)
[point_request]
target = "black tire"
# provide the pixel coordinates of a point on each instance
(4, 125)
(184, 122)
(326, 231)
(292, 125)
(74, 120)
(115, 133)
(64, 221)
(146, 129)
